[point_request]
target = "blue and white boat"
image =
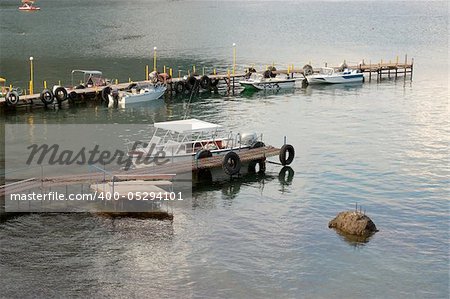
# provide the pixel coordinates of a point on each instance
(328, 75)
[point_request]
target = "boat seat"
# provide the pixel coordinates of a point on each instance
(155, 140)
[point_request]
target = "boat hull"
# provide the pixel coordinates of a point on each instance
(351, 78)
(268, 85)
(145, 97)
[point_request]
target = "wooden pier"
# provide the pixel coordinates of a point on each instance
(161, 172)
(194, 83)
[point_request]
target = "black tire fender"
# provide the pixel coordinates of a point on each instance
(204, 153)
(60, 94)
(191, 81)
(12, 98)
(47, 96)
(257, 144)
(205, 82)
(73, 95)
(231, 163)
(179, 87)
(105, 92)
(287, 154)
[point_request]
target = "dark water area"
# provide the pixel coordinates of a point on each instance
(382, 144)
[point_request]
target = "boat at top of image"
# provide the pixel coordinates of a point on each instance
(138, 93)
(329, 76)
(266, 81)
(194, 138)
(28, 5)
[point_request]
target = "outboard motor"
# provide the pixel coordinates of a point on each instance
(115, 95)
(248, 138)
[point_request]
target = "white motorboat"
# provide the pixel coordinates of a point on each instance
(330, 76)
(259, 82)
(27, 5)
(139, 94)
(191, 138)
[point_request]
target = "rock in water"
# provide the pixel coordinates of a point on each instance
(353, 223)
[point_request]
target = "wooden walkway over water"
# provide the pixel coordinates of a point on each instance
(162, 172)
(228, 81)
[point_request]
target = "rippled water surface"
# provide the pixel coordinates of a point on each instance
(381, 144)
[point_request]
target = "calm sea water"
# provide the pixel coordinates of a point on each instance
(383, 145)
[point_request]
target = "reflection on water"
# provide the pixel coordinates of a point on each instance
(353, 240)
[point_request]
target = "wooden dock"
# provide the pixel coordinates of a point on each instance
(162, 172)
(228, 82)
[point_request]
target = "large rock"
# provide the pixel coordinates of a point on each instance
(353, 223)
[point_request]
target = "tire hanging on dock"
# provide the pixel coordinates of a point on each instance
(60, 94)
(191, 81)
(257, 144)
(179, 87)
(105, 92)
(205, 82)
(287, 154)
(231, 163)
(73, 96)
(204, 153)
(47, 97)
(307, 70)
(12, 98)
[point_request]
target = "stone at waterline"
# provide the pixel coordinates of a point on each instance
(353, 223)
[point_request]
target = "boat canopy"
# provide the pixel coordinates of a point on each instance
(187, 125)
(87, 74)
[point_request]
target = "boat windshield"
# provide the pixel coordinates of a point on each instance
(256, 77)
(326, 71)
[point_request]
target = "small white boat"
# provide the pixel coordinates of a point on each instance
(27, 5)
(328, 75)
(139, 94)
(259, 82)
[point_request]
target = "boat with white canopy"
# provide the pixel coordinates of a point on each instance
(192, 138)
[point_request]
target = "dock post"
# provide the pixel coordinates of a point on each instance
(396, 67)
(146, 72)
(405, 66)
(412, 66)
(370, 70)
(389, 70)
(31, 75)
